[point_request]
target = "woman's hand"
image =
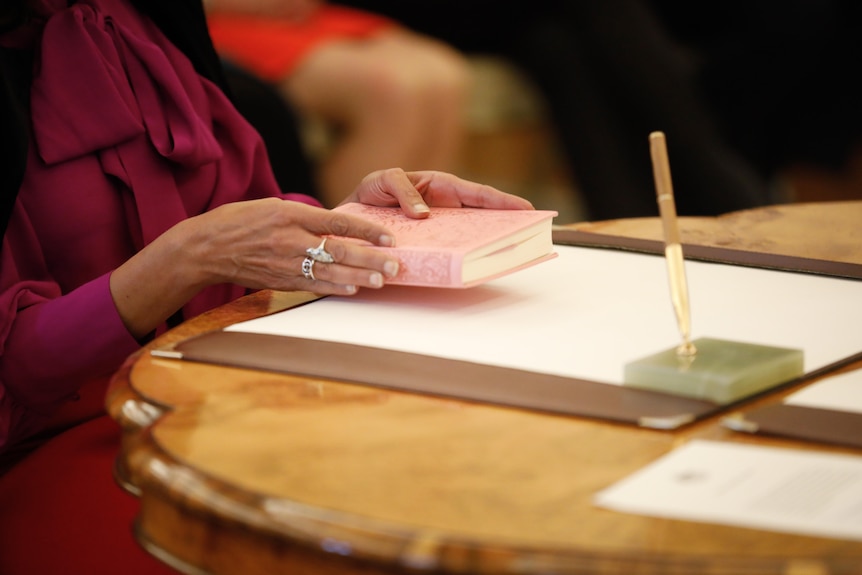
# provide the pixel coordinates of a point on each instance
(416, 191)
(256, 244)
(262, 243)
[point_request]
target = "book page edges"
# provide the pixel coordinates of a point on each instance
(525, 265)
(528, 250)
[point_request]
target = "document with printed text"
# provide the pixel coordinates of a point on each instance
(788, 490)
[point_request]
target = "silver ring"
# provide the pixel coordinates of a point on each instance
(319, 254)
(308, 268)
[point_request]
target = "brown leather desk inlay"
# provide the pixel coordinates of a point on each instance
(243, 471)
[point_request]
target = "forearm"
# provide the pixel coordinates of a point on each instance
(156, 282)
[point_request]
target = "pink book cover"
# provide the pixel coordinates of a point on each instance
(483, 243)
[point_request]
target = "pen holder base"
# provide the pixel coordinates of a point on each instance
(721, 371)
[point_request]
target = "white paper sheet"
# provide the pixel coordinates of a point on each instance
(792, 491)
(841, 392)
(587, 313)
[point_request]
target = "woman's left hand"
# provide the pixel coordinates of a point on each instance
(416, 192)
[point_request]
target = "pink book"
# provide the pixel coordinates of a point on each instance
(462, 247)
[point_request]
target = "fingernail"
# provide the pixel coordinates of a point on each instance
(421, 208)
(376, 280)
(350, 289)
(390, 268)
(387, 240)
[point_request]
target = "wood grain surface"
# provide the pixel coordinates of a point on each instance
(241, 471)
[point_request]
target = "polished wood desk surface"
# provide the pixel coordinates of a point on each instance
(249, 472)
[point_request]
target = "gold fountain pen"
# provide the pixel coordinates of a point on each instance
(672, 246)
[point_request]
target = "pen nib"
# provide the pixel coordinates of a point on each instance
(686, 349)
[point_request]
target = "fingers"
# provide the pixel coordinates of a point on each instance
(337, 278)
(346, 255)
(391, 187)
(444, 189)
(353, 266)
(414, 192)
(335, 265)
(324, 222)
(261, 244)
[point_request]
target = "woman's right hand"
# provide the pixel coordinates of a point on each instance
(255, 244)
(262, 243)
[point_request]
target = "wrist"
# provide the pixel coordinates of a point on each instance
(188, 249)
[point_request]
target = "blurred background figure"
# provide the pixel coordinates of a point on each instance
(386, 95)
(780, 75)
(609, 73)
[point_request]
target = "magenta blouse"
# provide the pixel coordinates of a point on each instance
(127, 140)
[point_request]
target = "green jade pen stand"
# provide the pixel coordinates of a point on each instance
(721, 371)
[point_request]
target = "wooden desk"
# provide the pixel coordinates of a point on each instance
(249, 472)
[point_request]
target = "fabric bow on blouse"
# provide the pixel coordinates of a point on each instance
(138, 92)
